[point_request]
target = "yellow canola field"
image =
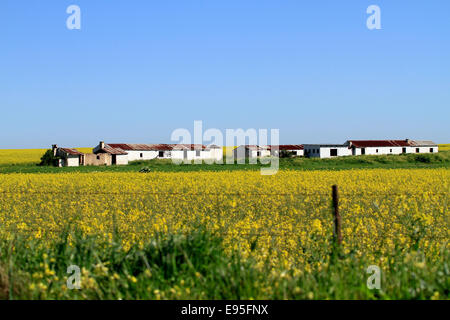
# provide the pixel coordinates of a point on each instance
(282, 219)
(22, 156)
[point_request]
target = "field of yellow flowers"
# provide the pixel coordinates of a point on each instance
(281, 222)
(24, 156)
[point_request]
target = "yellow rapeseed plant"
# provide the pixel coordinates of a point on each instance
(273, 218)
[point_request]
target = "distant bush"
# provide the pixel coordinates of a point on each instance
(422, 158)
(287, 154)
(48, 159)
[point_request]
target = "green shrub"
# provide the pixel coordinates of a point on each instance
(49, 159)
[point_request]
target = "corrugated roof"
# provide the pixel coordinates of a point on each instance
(422, 143)
(132, 146)
(111, 150)
(70, 151)
(188, 147)
(155, 147)
(379, 143)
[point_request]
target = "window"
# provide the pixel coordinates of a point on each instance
(417, 150)
(431, 150)
(390, 151)
(377, 150)
(258, 154)
(141, 155)
(161, 154)
(197, 153)
(98, 157)
(404, 150)
(333, 152)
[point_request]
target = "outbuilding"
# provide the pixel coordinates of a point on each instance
(68, 157)
(326, 150)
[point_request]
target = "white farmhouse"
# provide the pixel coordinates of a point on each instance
(326, 150)
(163, 151)
(378, 147)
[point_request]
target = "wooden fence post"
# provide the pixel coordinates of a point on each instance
(337, 217)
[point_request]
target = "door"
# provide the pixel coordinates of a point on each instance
(114, 159)
(363, 150)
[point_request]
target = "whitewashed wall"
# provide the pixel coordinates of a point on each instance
(146, 155)
(71, 161)
(325, 152)
(121, 159)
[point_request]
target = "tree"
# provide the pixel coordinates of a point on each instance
(48, 159)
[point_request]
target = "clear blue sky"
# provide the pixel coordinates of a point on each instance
(137, 70)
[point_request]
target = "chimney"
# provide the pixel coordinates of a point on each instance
(102, 144)
(54, 149)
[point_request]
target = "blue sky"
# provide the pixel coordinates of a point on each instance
(137, 70)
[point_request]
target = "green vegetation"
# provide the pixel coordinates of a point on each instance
(49, 159)
(432, 160)
(195, 266)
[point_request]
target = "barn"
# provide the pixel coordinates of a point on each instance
(378, 147)
(135, 152)
(326, 150)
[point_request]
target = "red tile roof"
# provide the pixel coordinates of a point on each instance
(379, 143)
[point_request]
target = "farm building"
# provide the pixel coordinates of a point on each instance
(421, 146)
(294, 150)
(369, 147)
(326, 150)
(104, 154)
(251, 151)
(196, 151)
(126, 152)
(376, 147)
(67, 157)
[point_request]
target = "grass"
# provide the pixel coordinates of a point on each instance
(195, 266)
(435, 160)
